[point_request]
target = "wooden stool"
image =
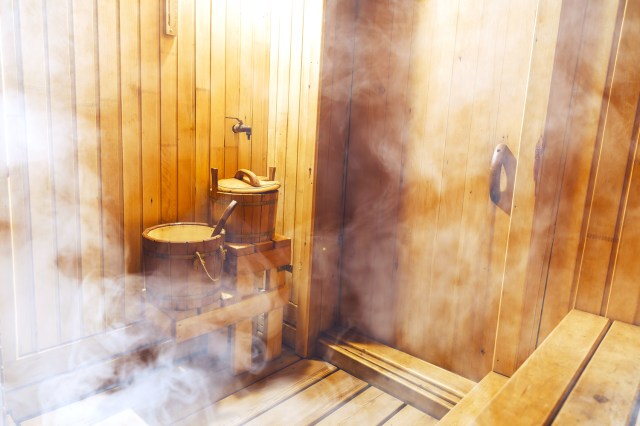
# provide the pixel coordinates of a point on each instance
(258, 267)
(255, 273)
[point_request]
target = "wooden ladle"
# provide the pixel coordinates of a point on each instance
(223, 219)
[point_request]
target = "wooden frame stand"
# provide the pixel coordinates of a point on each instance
(257, 288)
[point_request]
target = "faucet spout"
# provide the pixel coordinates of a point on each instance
(240, 127)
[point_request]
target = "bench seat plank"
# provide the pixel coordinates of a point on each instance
(606, 391)
(537, 389)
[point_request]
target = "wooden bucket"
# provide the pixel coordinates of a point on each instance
(182, 265)
(254, 218)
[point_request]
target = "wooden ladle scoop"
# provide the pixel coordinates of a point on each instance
(223, 219)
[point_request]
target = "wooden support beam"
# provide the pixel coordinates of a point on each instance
(243, 310)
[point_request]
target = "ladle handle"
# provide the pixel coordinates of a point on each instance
(223, 219)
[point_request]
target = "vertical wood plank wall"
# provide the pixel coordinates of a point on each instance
(111, 126)
(544, 240)
(427, 259)
(436, 86)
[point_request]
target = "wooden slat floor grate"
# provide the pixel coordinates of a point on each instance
(303, 392)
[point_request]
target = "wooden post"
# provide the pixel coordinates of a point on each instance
(273, 319)
(242, 332)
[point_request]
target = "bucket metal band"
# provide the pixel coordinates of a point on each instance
(243, 204)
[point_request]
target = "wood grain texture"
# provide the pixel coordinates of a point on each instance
(128, 122)
(582, 111)
(606, 392)
(472, 404)
(370, 407)
(538, 387)
(613, 204)
(608, 196)
(420, 141)
(312, 403)
(521, 265)
(411, 416)
(334, 113)
(256, 399)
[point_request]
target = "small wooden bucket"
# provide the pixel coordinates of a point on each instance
(254, 219)
(182, 265)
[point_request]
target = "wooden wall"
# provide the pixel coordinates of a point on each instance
(581, 186)
(415, 97)
(110, 126)
(435, 87)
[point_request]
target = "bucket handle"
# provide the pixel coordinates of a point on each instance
(223, 255)
(253, 179)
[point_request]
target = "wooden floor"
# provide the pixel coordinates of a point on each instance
(303, 392)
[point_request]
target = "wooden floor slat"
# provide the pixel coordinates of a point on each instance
(259, 397)
(368, 408)
(410, 416)
(313, 403)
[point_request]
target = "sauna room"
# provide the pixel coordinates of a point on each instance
(367, 212)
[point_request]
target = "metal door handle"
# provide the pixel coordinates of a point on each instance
(502, 158)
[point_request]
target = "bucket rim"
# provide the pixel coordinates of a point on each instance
(145, 233)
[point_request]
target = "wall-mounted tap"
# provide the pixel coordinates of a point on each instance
(240, 127)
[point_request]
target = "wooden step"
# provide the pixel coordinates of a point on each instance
(418, 383)
(537, 389)
(474, 402)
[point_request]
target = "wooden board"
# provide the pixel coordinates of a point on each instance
(583, 111)
(310, 404)
(261, 396)
(370, 407)
(619, 298)
(332, 142)
(411, 416)
(606, 391)
(423, 392)
(538, 387)
(518, 273)
(186, 102)
(244, 310)
(132, 154)
(472, 404)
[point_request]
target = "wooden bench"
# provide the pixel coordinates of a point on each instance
(587, 371)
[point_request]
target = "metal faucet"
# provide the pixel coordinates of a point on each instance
(240, 127)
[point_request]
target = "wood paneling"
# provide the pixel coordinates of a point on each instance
(436, 85)
(111, 126)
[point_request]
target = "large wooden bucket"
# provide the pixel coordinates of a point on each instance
(182, 265)
(254, 218)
